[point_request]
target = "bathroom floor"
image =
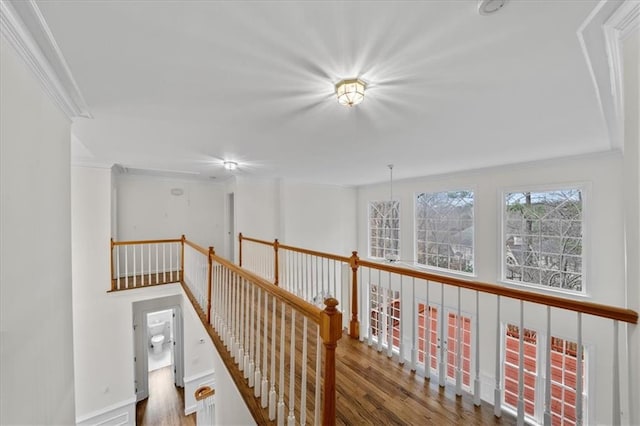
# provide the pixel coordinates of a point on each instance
(163, 359)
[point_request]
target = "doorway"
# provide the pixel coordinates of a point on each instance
(153, 319)
(231, 227)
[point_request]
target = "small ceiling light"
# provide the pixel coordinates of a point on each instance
(487, 7)
(350, 92)
(230, 165)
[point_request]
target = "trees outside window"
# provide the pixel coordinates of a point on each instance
(384, 229)
(543, 238)
(444, 230)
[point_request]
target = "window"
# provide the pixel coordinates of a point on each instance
(444, 230)
(543, 238)
(384, 229)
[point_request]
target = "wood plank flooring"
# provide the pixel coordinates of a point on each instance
(371, 388)
(165, 405)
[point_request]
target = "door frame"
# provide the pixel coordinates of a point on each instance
(141, 337)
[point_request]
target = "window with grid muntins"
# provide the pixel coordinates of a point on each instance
(543, 238)
(384, 229)
(444, 230)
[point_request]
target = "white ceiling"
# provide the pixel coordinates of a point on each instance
(182, 85)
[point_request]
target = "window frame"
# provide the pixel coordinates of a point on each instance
(395, 200)
(445, 271)
(585, 189)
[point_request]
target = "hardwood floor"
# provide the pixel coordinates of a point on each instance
(371, 388)
(165, 405)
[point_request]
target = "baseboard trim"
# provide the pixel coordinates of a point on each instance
(199, 376)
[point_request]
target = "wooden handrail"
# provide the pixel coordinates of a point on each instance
(255, 240)
(124, 243)
(196, 247)
(596, 309)
(315, 253)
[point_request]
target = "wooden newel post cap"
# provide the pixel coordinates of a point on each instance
(353, 260)
(211, 251)
(331, 321)
(204, 392)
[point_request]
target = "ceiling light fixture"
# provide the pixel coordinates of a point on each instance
(487, 7)
(350, 92)
(230, 165)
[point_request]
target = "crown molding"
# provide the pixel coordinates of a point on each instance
(601, 36)
(616, 30)
(24, 27)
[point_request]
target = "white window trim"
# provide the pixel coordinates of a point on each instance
(397, 200)
(435, 269)
(585, 188)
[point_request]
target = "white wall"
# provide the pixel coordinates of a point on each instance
(36, 339)
(256, 207)
(602, 174)
(318, 217)
(103, 321)
(147, 209)
(632, 204)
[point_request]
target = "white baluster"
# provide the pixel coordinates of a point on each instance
(476, 383)
(401, 330)
(258, 375)
(157, 265)
(126, 265)
(389, 318)
(303, 388)
(242, 361)
(281, 379)
(233, 320)
(291, 419)
(368, 310)
(547, 378)
(252, 340)
(443, 340)
(272, 375)
(459, 348)
(520, 416)
(579, 375)
(164, 263)
(364, 298)
(379, 304)
(149, 265)
(497, 393)
(427, 369)
(134, 266)
(265, 381)
(414, 329)
(616, 377)
(118, 265)
(318, 390)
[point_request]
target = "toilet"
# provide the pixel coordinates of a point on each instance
(156, 343)
(158, 334)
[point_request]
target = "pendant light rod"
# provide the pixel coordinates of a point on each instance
(390, 166)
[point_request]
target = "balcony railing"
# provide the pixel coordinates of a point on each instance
(281, 347)
(455, 329)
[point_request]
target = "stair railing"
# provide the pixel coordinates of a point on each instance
(282, 346)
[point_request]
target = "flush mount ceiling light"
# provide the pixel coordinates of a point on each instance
(230, 165)
(487, 7)
(350, 92)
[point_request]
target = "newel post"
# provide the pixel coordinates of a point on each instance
(331, 332)
(182, 240)
(209, 275)
(354, 325)
(113, 279)
(276, 273)
(240, 249)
